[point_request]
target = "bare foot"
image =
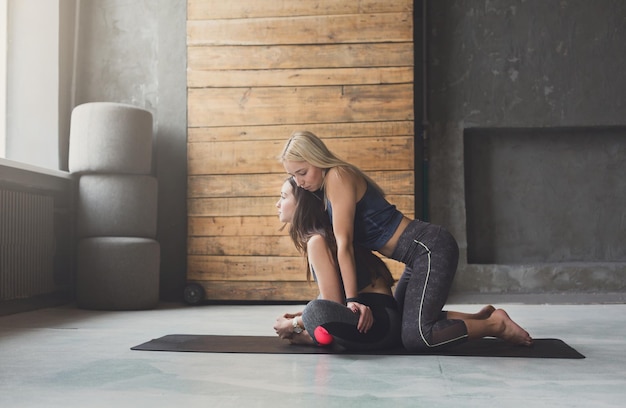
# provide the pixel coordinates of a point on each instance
(509, 330)
(485, 312)
(302, 338)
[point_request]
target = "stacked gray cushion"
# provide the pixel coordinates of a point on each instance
(117, 254)
(117, 273)
(117, 205)
(110, 137)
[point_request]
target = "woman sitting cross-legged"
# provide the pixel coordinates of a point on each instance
(327, 319)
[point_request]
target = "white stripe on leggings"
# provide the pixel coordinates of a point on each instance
(419, 322)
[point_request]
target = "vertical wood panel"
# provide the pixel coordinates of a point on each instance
(257, 71)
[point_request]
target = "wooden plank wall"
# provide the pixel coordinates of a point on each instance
(260, 69)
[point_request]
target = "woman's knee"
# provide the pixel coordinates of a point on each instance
(314, 310)
(412, 341)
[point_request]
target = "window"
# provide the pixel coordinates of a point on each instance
(3, 75)
(29, 87)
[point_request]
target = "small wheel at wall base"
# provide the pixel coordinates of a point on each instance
(194, 294)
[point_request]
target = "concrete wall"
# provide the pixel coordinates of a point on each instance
(135, 53)
(522, 64)
(499, 63)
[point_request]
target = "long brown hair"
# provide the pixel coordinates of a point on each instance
(310, 218)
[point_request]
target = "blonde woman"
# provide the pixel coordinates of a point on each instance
(361, 215)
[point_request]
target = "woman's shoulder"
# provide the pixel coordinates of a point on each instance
(316, 241)
(318, 245)
(345, 176)
(319, 253)
(345, 172)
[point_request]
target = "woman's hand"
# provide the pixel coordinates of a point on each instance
(283, 326)
(366, 319)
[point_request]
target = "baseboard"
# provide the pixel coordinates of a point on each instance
(538, 298)
(8, 307)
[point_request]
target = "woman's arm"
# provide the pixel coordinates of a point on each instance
(321, 260)
(326, 271)
(342, 190)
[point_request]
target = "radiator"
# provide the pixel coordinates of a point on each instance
(27, 244)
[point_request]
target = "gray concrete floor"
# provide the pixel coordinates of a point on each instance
(67, 357)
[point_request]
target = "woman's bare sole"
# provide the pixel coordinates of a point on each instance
(510, 331)
(483, 314)
(302, 339)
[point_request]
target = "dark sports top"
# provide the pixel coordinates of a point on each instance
(375, 219)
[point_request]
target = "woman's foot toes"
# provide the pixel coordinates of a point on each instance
(511, 331)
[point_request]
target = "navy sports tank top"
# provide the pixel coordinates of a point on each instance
(375, 219)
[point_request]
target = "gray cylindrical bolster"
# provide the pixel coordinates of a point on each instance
(108, 137)
(117, 273)
(117, 205)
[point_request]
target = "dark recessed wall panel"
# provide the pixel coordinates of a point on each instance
(543, 195)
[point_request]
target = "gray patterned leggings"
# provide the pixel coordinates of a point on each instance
(431, 255)
(341, 323)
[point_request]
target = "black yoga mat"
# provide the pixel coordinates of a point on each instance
(487, 347)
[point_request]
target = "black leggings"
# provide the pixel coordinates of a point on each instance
(431, 255)
(341, 322)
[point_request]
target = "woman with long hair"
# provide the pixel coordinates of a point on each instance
(361, 215)
(327, 319)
